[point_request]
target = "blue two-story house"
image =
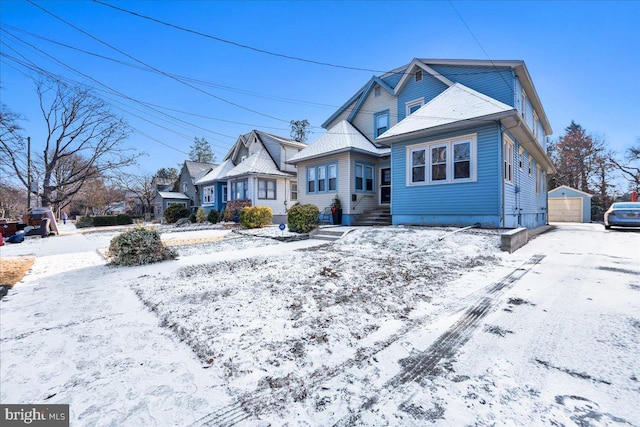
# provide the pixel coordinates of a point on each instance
(440, 142)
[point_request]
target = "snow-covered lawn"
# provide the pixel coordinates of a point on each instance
(280, 326)
(387, 326)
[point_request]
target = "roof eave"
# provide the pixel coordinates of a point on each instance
(460, 124)
(514, 124)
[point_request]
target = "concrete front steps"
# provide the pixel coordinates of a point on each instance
(330, 233)
(376, 217)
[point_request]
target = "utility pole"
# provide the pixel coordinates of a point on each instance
(28, 172)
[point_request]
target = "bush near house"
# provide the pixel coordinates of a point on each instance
(214, 216)
(175, 212)
(200, 215)
(139, 246)
(256, 216)
(303, 218)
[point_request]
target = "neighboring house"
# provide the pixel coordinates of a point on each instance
(187, 194)
(190, 173)
(255, 170)
(164, 199)
(567, 204)
(466, 140)
(213, 187)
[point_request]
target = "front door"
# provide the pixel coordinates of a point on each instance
(385, 186)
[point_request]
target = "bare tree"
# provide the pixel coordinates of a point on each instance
(11, 141)
(630, 167)
(13, 199)
(84, 140)
(142, 188)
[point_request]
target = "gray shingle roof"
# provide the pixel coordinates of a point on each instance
(456, 104)
(341, 137)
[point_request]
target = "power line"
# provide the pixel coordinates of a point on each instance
(479, 44)
(154, 68)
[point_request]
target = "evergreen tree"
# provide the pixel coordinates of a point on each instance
(300, 130)
(201, 151)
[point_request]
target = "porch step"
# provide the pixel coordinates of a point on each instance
(327, 233)
(377, 217)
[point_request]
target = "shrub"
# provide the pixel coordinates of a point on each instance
(103, 221)
(256, 216)
(200, 215)
(183, 222)
(213, 217)
(139, 246)
(302, 218)
(83, 222)
(175, 212)
(192, 218)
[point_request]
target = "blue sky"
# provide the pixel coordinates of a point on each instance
(583, 57)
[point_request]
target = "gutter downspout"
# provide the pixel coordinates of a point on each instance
(501, 166)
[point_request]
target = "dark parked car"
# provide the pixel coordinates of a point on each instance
(622, 214)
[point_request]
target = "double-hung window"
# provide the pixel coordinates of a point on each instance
(267, 189)
(311, 180)
(507, 160)
(381, 123)
(322, 179)
(364, 177)
(207, 194)
(461, 160)
(294, 190)
(239, 190)
(333, 177)
(445, 161)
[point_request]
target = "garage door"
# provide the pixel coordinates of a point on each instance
(565, 210)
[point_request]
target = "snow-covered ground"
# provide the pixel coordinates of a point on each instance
(388, 326)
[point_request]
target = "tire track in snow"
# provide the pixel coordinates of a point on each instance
(415, 368)
(425, 363)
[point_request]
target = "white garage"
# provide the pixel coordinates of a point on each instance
(567, 204)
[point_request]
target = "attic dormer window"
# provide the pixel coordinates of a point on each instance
(376, 91)
(419, 75)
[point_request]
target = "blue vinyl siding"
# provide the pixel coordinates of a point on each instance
(496, 84)
(455, 203)
(393, 79)
(429, 88)
(523, 206)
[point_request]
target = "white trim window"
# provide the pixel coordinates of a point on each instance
(419, 73)
(413, 106)
(507, 160)
(333, 177)
(376, 91)
(225, 193)
(293, 188)
(267, 189)
(536, 120)
(524, 105)
(530, 165)
(208, 194)
(447, 161)
(538, 180)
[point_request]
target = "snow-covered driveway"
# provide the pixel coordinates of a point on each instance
(547, 335)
